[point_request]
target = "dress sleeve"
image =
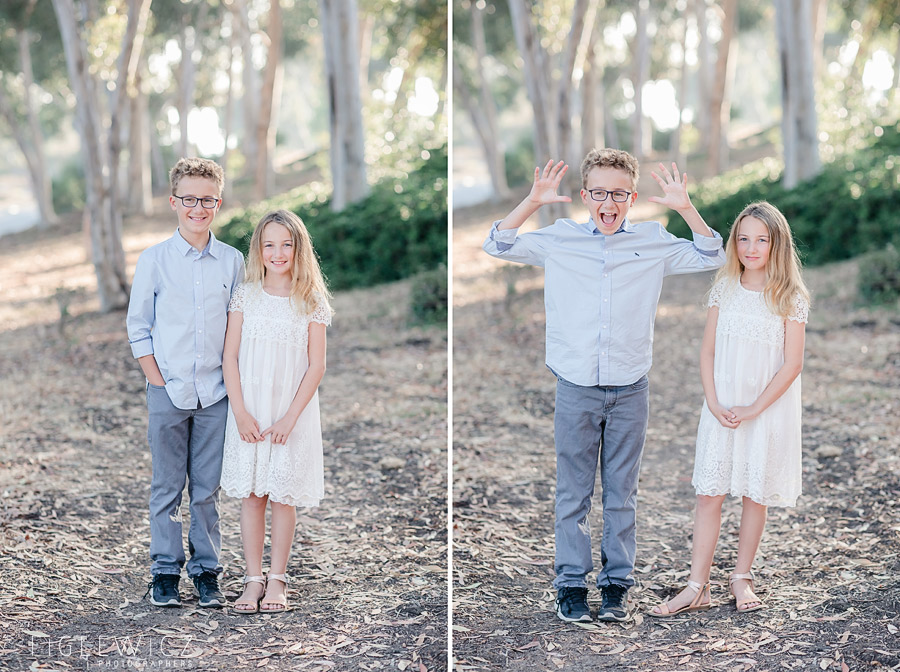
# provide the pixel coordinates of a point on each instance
(800, 311)
(237, 299)
(715, 294)
(322, 312)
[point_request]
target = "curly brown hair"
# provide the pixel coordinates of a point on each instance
(196, 167)
(610, 158)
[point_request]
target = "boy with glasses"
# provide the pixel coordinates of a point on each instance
(176, 328)
(602, 281)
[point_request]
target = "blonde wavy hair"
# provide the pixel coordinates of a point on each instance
(783, 280)
(308, 287)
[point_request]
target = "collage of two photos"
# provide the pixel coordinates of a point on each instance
(503, 335)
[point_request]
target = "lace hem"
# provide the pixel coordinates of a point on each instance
(302, 501)
(776, 500)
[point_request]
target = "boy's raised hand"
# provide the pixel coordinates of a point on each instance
(546, 184)
(674, 188)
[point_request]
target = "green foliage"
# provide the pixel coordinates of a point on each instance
(879, 276)
(428, 299)
(850, 208)
(69, 188)
(519, 162)
(395, 232)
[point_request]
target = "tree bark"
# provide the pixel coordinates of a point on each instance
(40, 179)
(799, 121)
(491, 142)
(720, 106)
(101, 142)
(675, 148)
(536, 82)
(704, 73)
(589, 107)
(348, 168)
(266, 125)
(249, 99)
(229, 117)
(640, 146)
(141, 199)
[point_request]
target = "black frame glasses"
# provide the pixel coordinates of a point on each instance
(618, 196)
(191, 201)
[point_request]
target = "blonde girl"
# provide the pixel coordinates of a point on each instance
(273, 363)
(748, 440)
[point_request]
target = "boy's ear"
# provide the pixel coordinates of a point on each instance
(172, 202)
(633, 197)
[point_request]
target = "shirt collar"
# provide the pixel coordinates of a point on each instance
(625, 227)
(212, 246)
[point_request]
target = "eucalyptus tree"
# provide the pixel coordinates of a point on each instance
(102, 45)
(31, 72)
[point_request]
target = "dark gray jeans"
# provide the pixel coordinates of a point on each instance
(608, 424)
(185, 446)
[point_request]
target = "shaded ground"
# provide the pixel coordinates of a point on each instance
(828, 569)
(369, 566)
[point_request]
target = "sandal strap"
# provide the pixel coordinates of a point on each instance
(278, 577)
(741, 577)
(254, 579)
(696, 587)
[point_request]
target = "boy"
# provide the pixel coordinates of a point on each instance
(176, 328)
(602, 281)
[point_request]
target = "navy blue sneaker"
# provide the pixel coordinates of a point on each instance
(206, 586)
(163, 590)
(614, 606)
(572, 606)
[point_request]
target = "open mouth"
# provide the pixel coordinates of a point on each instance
(607, 218)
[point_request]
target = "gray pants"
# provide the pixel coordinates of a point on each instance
(185, 446)
(609, 424)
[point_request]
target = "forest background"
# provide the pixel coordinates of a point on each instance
(333, 109)
(794, 101)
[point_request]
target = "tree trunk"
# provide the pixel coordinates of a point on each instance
(491, 141)
(799, 121)
(229, 117)
(720, 107)
(141, 199)
(266, 126)
(366, 31)
(589, 107)
(820, 12)
(675, 148)
(530, 49)
(249, 96)
(348, 168)
(704, 74)
(640, 146)
(101, 143)
(566, 90)
(42, 185)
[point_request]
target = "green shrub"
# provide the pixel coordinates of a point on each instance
(69, 190)
(428, 297)
(879, 276)
(399, 229)
(519, 162)
(850, 208)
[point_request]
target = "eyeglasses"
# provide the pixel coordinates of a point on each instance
(617, 196)
(191, 201)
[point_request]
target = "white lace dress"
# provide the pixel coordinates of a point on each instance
(761, 458)
(272, 359)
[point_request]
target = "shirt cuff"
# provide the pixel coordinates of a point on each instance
(142, 347)
(503, 238)
(708, 243)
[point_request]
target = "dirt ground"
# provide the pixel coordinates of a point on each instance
(828, 569)
(369, 567)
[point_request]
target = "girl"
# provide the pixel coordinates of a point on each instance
(273, 363)
(748, 441)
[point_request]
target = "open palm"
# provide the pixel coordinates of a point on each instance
(546, 184)
(674, 186)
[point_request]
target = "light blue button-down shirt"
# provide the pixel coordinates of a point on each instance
(601, 292)
(178, 312)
